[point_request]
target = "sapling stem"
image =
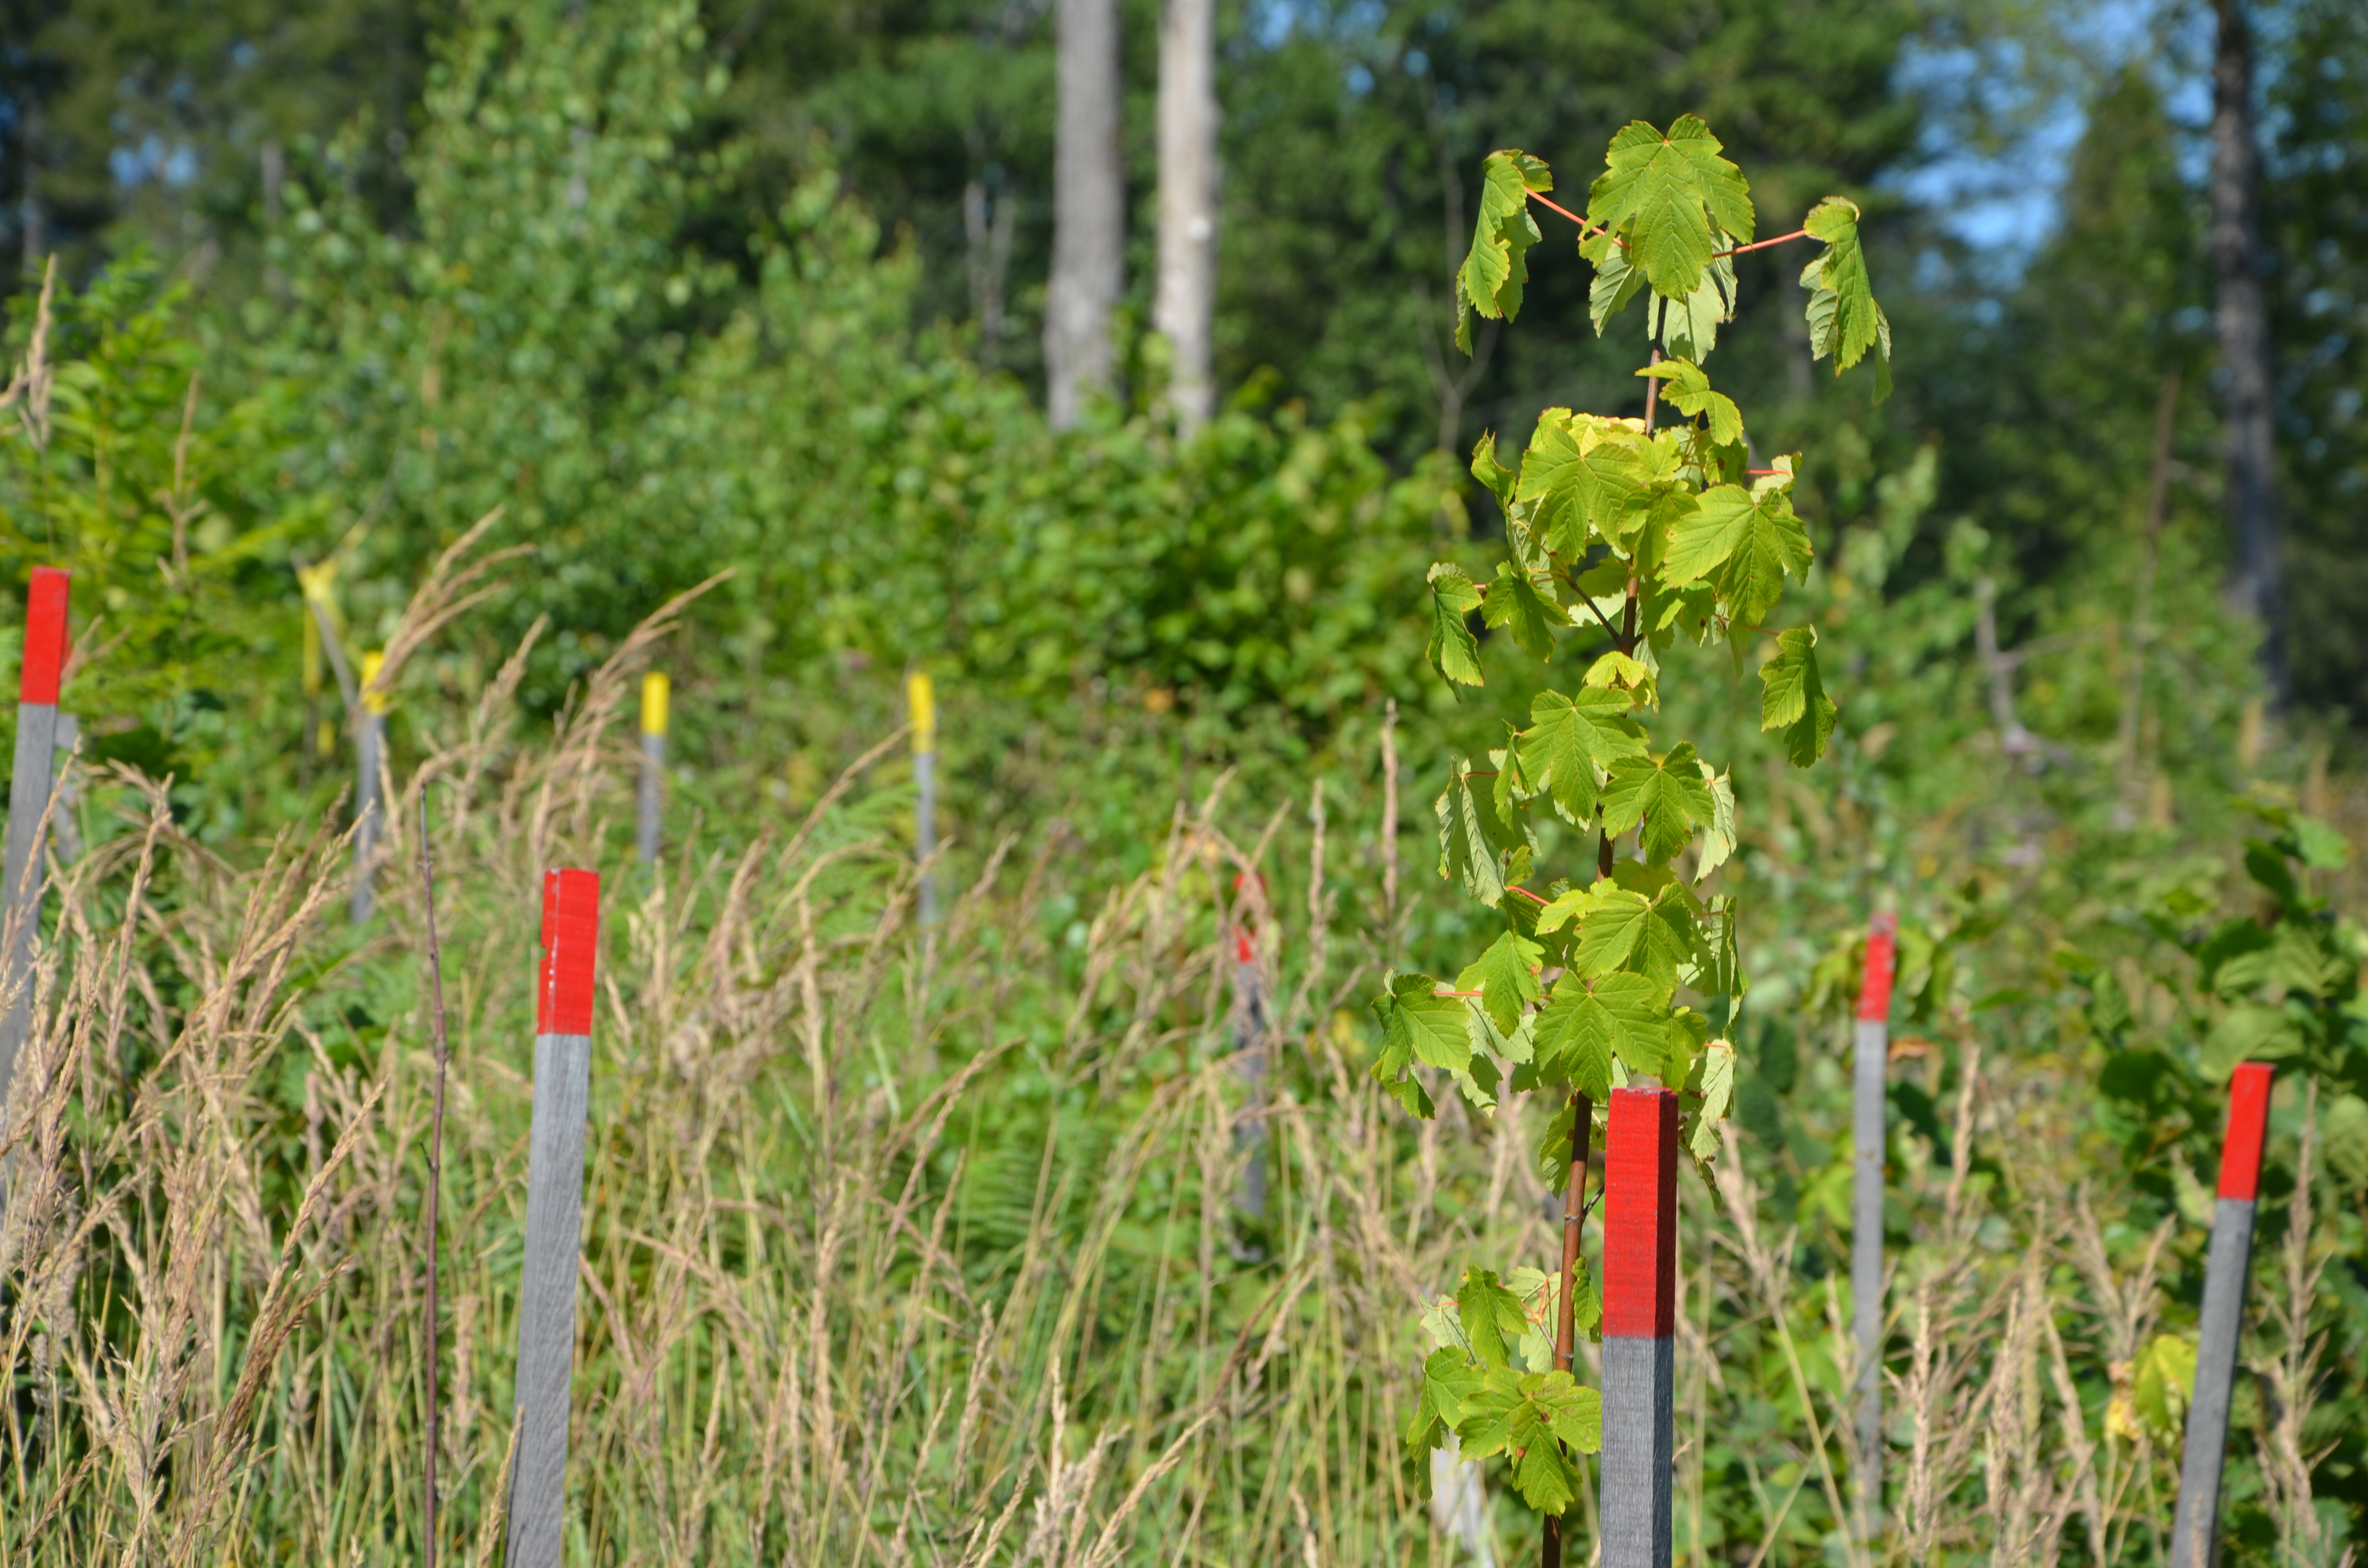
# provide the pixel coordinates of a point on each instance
(1573, 1222)
(435, 1167)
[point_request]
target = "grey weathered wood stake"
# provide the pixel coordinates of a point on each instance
(29, 804)
(1873, 1054)
(369, 756)
(1249, 1061)
(66, 819)
(1640, 1272)
(554, 1216)
(2195, 1525)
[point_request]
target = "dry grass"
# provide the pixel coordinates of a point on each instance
(905, 1251)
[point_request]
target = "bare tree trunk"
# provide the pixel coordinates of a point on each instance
(1187, 294)
(1089, 210)
(2244, 328)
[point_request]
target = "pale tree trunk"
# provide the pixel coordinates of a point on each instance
(1089, 210)
(2244, 331)
(1187, 294)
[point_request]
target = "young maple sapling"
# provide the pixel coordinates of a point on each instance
(1622, 536)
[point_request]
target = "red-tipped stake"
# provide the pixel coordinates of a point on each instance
(1640, 1267)
(1249, 1055)
(1872, 1051)
(554, 1211)
(2195, 1528)
(29, 804)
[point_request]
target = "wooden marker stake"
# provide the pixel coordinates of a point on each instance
(1640, 1266)
(1249, 1061)
(2196, 1527)
(656, 689)
(554, 1216)
(370, 754)
(28, 803)
(1867, 1130)
(67, 818)
(921, 704)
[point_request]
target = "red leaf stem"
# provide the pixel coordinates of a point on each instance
(1763, 244)
(1585, 228)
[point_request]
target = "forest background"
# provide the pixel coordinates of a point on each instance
(760, 287)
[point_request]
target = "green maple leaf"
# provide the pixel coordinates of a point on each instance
(1473, 837)
(1844, 320)
(1572, 740)
(1851, 328)
(1667, 196)
(1615, 479)
(1585, 1026)
(1516, 603)
(1615, 283)
(1417, 1025)
(1452, 650)
(1546, 1481)
(1494, 1318)
(1571, 1413)
(1688, 1030)
(1488, 472)
(1669, 797)
(1718, 839)
(1718, 1094)
(1449, 1379)
(1486, 1428)
(1507, 978)
(1548, 485)
(1587, 1314)
(1495, 271)
(1793, 697)
(1689, 327)
(1689, 392)
(1553, 1150)
(1581, 473)
(1530, 1416)
(1611, 924)
(1575, 1041)
(1744, 542)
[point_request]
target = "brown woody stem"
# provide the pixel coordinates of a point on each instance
(1574, 1220)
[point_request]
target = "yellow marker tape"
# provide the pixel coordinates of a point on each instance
(655, 689)
(373, 699)
(921, 700)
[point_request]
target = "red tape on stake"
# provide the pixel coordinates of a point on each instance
(45, 636)
(1882, 959)
(571, 939)
(1640, 1214)
(2249, 1125)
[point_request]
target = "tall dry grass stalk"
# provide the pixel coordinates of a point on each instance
(877, 1267)
(887, 1264)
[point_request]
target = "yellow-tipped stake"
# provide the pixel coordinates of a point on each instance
(322, 623)
(921, 706)
(369, 753)
(655, 691)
